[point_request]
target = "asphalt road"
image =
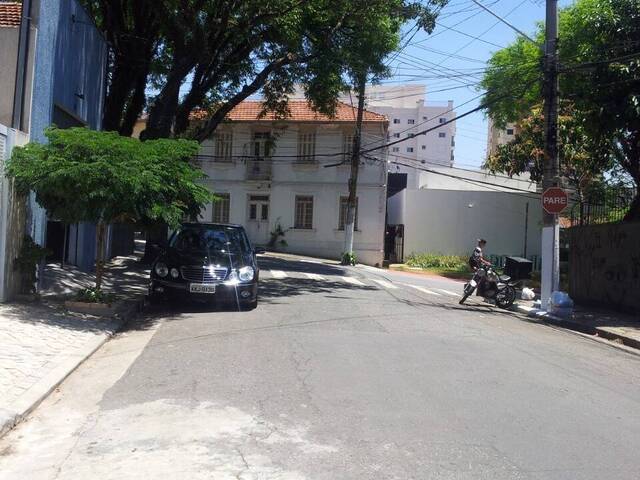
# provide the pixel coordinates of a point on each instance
(339, 374)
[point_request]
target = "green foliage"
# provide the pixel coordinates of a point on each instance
(437, 261)
(277, 233)
(230, 50)
(31, 254)
(579, 163)
(95, 295)
(600, 78)
(84, 175)
(349, 258)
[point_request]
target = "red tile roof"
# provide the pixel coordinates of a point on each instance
(10, 14)
(299, 111)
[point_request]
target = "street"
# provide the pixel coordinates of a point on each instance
(340, 373)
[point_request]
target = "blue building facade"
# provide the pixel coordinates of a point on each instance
(69, 89)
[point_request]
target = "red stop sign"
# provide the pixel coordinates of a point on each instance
(554, 200)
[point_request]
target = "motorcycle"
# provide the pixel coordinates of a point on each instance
(498, 288)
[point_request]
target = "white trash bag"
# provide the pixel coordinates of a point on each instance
(527, 294)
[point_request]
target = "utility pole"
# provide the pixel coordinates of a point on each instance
(349, 226)
(550, 231)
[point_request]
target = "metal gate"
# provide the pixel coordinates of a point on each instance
(394, 244)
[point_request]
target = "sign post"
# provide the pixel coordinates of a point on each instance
(550, 274)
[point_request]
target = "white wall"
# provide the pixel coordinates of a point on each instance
(326, 185)
(460, 179)
(449, 222)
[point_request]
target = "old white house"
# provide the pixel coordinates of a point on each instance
(291, 174)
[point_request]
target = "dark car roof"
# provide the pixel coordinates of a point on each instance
(210, 224)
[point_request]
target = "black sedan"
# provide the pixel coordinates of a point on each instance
(207, 261)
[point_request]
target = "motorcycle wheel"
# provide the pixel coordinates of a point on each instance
(468, 290)
(506, 297)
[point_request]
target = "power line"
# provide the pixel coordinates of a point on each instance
(505, 21)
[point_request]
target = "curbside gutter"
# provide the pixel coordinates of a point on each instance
(36, 394)
(609, 333)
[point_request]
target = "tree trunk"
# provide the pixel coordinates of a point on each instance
(135, 106)
(162, 113)
(633, 215)
(632, 166)
(355, 165)
(101, 230)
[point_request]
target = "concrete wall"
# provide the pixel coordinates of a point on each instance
(450, 221)
(479, 180)
(8, 58)
(12, 217)
(9, 39)
(326, 185)
(604, 265)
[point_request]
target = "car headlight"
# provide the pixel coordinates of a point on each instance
(245, 274)
(161, 269)
(175, 273)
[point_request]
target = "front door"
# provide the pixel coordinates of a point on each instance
(258, 219)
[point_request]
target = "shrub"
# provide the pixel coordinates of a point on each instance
(434, 260)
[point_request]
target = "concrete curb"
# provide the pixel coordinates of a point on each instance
(30, 399)
(570, 324)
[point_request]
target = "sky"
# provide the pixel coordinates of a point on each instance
(427, 59)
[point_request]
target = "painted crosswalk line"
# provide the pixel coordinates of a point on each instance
(278, 274)
(385, 284)
(424, 290)
(448, 292)
(314, 276)
(353, 281)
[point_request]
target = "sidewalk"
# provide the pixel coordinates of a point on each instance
(41, 343)
(619, 327)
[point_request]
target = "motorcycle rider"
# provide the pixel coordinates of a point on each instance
(477, 261)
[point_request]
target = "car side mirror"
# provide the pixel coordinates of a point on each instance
(259, 250)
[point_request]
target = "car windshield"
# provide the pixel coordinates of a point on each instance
(210, 239)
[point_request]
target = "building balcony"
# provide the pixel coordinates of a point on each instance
(259, 169)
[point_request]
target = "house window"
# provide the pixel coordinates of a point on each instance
(442, 134)
(509, 131)
(304, 212)
(221, 208)
(424, 147)
(224, 145)
(263, 143)
(306, 146)
(396, 135)
(410, 149)
(396, 120)
(342, 219)
(347, 145)
(442, 120)
(411, 121)
(395, 149)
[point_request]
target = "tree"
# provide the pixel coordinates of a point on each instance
(86, 176)
(580, 165)
(213, 54)
(361, 60)
(600, 76)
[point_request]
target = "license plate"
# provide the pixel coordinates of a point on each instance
(201, 288)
